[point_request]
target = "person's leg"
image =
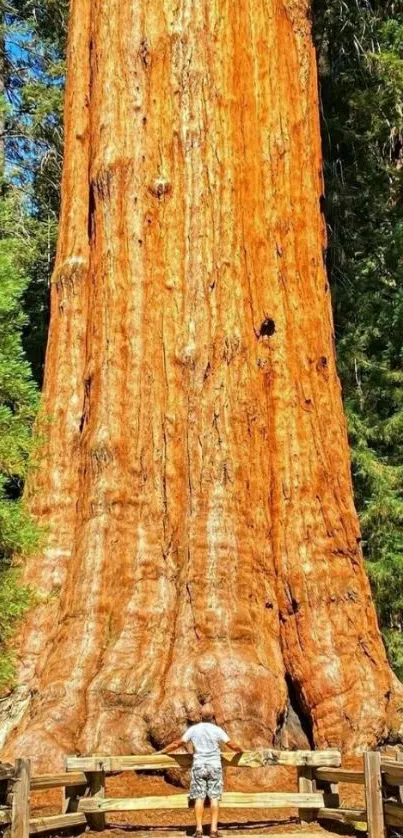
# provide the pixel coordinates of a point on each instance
(199, 809)
(214, 791)
(215, 808)
(198, 789)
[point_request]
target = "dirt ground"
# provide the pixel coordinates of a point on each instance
(269, 821)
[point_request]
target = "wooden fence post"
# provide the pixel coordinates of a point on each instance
(373, 794)
(71, 795)
(20, 803)
(306, 785)
(96, 788)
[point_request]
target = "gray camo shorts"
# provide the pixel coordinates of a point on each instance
(206, 781)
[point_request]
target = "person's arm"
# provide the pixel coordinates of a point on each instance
(173, 746)
(225, 741)
(234, 746)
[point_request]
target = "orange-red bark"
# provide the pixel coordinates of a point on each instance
(195, 481)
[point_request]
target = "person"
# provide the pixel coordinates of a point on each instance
(206, 776)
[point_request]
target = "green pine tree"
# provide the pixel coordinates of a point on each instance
(18, 403)
(360, 47)
(32, 39)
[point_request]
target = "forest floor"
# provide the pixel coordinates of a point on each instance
(250, 821)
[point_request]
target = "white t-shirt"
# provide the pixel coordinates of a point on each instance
(205, 738)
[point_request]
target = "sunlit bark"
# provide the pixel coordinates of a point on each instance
(195, 481)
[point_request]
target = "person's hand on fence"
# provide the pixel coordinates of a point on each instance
(173, 746)
(235, 746)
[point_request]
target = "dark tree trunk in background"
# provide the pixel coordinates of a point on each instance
(2, 92)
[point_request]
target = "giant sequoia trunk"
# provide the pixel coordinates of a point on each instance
(194, 483)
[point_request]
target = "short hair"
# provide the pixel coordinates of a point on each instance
(207, 713)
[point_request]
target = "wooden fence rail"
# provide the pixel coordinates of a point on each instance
(319, 774)
(55, 781)
(230, 800)
(248, 759)
(340, 775)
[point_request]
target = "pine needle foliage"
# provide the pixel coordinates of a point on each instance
(32, 44)
(34, 37)
(18, 403)
(360, 49)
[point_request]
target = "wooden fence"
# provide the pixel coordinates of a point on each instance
(317, 798)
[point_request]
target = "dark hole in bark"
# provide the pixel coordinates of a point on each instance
(322, 363)
(91, 211)
(298, 705)
(87, 391)
(267, 328)
(322, 203)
